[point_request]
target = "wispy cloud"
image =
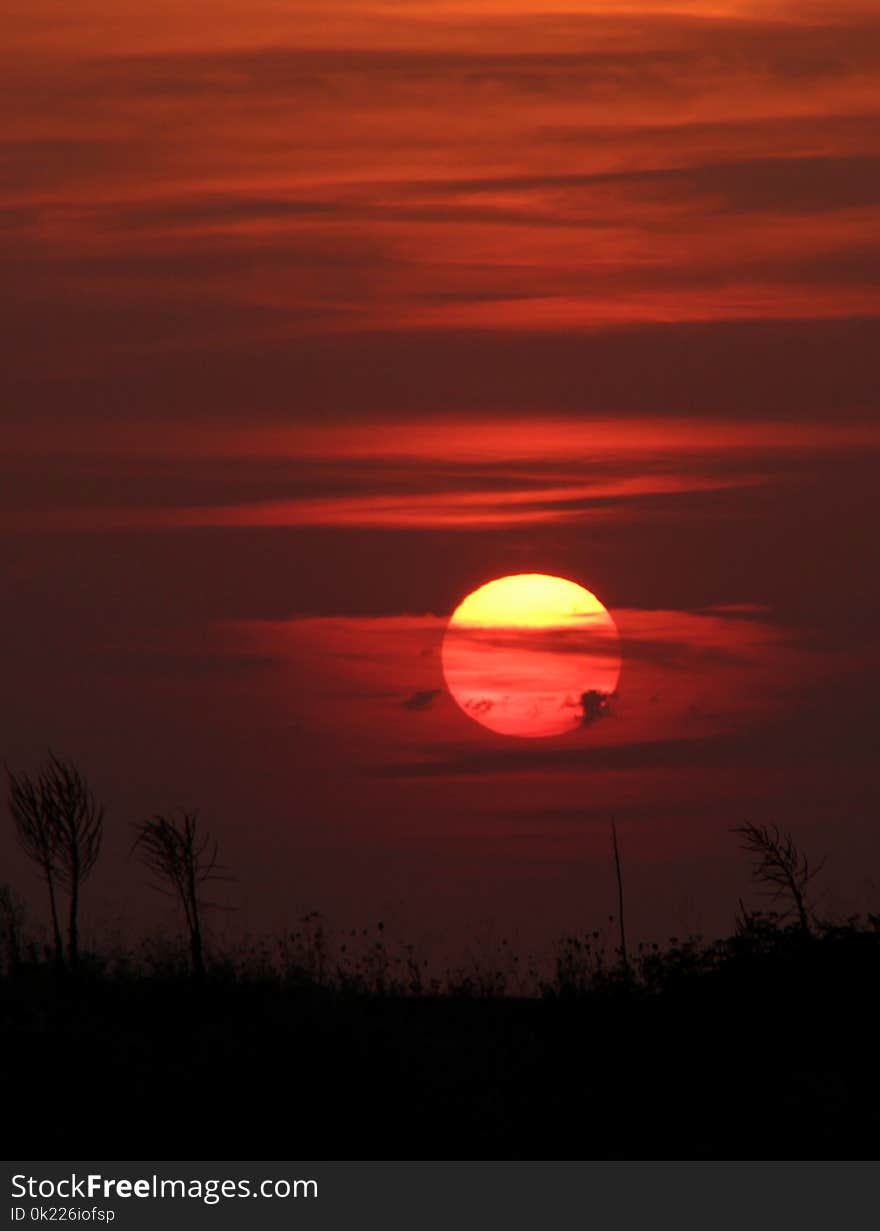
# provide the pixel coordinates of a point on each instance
(453, 508)
(500, 168)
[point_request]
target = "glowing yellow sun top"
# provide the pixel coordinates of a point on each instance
(529, 600)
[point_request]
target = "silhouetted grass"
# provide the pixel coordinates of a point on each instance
(761, 1044)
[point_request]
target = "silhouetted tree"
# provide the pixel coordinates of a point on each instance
(175, 851)
(778, 863)
(59, 825)
(33, 829)
(78, 823)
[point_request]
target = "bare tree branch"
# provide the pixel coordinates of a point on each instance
(176, 853)
(779, 864)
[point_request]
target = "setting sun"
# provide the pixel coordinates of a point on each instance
(531, 655)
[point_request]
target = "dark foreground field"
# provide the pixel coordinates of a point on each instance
(763, 1046)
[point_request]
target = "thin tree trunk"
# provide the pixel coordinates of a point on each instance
(799, 903)
(73, 919)
(73, 925)
(56, 926)
(14, 942)
(195, 930)
(623, 953)
(198, 961)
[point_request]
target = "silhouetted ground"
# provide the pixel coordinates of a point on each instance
(762, 1046)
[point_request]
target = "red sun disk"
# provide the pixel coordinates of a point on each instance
(531, 655)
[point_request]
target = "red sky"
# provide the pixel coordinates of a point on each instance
(319, 315)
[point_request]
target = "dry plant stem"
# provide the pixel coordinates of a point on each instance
(623, 953)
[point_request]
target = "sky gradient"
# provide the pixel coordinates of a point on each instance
(320, 315)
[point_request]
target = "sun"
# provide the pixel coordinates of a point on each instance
(531, 655)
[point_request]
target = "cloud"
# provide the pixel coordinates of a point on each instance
(450, 509)
(600, 56)
(782, 184)
(487, 171)
(422, 700)
(594, 705)
(532, 757)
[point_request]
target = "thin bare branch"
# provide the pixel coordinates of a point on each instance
(778, 863)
